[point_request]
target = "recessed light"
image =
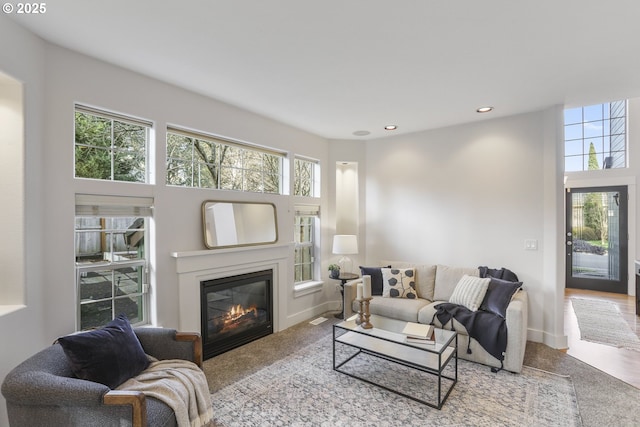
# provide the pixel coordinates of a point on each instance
(361, 133)
(484, 109)
(391, 127)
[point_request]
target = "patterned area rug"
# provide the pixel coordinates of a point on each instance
(601, 322)
(303, 390)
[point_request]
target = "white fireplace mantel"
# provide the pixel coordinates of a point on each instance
(193, 267)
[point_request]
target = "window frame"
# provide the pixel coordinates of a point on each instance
(245, 168)
(609, 144)
(106, 208)
(111, 148)
(313, 212)
(313, 180)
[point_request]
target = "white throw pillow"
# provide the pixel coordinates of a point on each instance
(470, 292)
(399, 283)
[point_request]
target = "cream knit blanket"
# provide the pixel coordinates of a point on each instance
(181, 385)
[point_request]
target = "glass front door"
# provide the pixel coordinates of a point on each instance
(597, 239)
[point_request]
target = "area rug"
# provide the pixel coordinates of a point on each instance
(601, 322)
(304, 390)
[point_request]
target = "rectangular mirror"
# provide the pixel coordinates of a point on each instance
(229, 224)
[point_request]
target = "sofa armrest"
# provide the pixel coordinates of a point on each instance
(165, 343)
(137, 401)
(350, 294)
(517, 325)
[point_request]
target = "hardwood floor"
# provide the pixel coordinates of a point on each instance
(618, 362)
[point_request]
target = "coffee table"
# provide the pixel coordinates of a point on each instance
(386, 341)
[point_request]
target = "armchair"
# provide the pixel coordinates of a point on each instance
(43, 391)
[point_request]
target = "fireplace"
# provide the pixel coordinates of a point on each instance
(235, 310)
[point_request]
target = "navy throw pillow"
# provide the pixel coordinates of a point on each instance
(376, 278)
(499, 295)
(109, 355)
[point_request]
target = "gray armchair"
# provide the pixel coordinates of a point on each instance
(43, 391)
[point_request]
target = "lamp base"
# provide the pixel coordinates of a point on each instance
(346, 265)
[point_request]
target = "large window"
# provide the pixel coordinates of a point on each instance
(595, 137)
(197, 160)
(111, 259)
(305, 181)
(111, 147)
(306, 225)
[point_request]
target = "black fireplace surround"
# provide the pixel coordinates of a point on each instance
(235, 310)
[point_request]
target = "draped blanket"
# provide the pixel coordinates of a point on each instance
(489, 329)
(181, 385)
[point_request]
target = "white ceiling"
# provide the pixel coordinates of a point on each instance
(333, 67)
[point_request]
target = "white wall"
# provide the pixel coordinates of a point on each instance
(21, 330)
(468, 196)
(72, 77)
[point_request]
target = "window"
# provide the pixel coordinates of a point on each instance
(197, 160)
(111, 259)
(595, 137)
(305, 173)
(111, 147)
(306, 226)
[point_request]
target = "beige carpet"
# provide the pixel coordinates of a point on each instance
(601, 322)
(303, 389)
(602, 399)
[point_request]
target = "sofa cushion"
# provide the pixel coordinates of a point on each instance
(376, 278)
(499, 295)
(109, 355)
(470, 292)
(395, 308)
(399, 283)
(425, 277)
(447, 278)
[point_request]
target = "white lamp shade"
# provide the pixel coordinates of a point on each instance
(345, 244)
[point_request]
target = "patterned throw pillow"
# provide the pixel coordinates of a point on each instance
(399, 283)
(470, 292)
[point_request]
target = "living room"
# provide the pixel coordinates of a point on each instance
(466, 194)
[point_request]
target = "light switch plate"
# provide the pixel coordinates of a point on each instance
(531, 245)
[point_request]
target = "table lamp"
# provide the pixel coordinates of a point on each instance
(345, 244)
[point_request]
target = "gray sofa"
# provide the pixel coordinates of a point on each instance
(43, 391)
(435, 284)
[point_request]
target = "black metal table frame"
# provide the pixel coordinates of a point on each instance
(438, 372)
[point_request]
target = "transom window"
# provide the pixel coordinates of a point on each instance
(196, 160)
(595, 137)
(110, 146)
(305, 177)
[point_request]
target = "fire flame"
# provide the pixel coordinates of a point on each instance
(238, 311)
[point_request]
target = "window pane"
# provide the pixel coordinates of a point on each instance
(96, 285)
(573, 116)
(131, 307)
(92, 130)
(109, 149)
(231, 179)
(129, 166)
(573, 132)
(592, 129)
(179, 172)
(93, 162)
(573, 148)
(593, 112)
(597, 136)
(206, 175)
(95, 314)
(252, 181)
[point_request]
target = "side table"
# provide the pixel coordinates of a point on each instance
(344, 278)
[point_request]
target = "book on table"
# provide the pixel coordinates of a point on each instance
(418, 333)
